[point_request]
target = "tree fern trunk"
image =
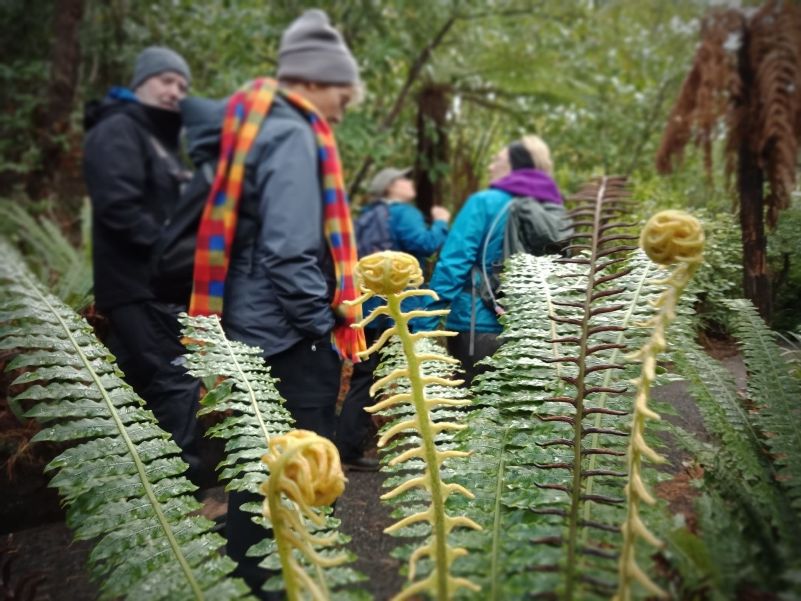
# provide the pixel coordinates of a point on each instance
(52, 120)
(756, 285)
(750, 180)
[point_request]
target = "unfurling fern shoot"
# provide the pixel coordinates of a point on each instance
(668, 238)
(304, 468)
(391, 275)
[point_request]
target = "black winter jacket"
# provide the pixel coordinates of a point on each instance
(133, 189)
(281, 277)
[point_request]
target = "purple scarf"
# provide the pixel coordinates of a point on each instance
(530, 182)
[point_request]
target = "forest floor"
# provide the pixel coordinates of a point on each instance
(36, 546)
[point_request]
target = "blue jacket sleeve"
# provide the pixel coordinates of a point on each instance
(457, 258)
(410, 232)
(291, 238)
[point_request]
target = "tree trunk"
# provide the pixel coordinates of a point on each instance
(432, 145)
(52, 121)
(756, 285)
(750, 184)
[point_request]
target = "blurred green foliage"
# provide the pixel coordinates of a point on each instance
(594, 78)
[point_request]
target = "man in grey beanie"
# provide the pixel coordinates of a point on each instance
(281, 281)
(133, 175)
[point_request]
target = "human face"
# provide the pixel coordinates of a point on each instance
(499, 166)
(330, 100)
(401, 189)
(163, 91)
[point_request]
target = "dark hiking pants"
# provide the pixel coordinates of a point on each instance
(484, 344)
(353, 424)
(308, 374)
(145, 339)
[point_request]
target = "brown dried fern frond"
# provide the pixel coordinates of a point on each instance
(774, 55)
(710, 90)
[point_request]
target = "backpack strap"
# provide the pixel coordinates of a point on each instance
(173, 166)
(483, 259)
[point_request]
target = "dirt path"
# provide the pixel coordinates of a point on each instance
(45, 555)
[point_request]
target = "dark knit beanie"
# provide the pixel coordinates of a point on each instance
(312, 50)
(158, 59)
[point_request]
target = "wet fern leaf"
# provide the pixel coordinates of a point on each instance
(122, 480)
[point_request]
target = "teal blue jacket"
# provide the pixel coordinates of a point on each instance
(452, 275)
(410, 234)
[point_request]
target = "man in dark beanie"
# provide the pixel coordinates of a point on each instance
(133, 175)
(288, 252)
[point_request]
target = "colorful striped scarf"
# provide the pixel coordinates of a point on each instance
(244, 115)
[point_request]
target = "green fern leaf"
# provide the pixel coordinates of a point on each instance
(559, 384)
(775, 391)
(156, 548)
(52, 255)
(245, 393)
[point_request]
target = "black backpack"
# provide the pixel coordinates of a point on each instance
(372, 229)
(533, 227)
(172, 261)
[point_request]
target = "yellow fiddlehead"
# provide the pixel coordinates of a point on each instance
(669, 237)
(390, 275)
(305, 469)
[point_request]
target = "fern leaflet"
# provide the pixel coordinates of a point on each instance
(122, 483)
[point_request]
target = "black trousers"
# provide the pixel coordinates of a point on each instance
(484, 345)
(145, 339)
(308, 374)
(353, 424)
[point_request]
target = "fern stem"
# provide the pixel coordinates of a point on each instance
(429, 448)
(140, 468)
(243, 379)
(284, 547)
(495, 552)
(304, 468)
(289, 566)
(668, 237)
(578, 428)
(546, 290)
(603, 396)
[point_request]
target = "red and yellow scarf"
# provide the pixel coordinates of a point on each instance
(244, 115)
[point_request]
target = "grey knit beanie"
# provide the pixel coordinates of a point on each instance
(312, 50)
(158, 59)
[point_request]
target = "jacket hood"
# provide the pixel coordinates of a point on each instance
(530, 182)
(160, 122)
(203, 120)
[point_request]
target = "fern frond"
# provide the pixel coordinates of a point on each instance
(518, 469)
(389, 274)
(52, 256)
(739, 470)
(122, 482)
(775, 391)
(668, 238)
(592, 313)
(305, 474)
(244, 393)
(725, 418)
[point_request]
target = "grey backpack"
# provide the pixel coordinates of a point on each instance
(533, 227)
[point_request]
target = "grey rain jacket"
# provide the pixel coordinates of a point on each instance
(281, 276)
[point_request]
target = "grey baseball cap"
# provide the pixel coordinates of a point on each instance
(384, 178)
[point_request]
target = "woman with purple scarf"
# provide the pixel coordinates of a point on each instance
(521, 169)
